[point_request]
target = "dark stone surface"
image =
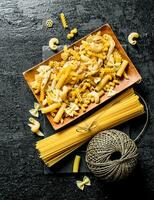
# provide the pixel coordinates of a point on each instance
(22, 36)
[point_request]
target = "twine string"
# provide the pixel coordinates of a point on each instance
(102, 165)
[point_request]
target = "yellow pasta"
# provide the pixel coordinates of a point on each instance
(51, 63)
(125, 75)
(64, 93)
(61, 81)
(116, 81)
(107, 86)
(49, 23)
(99, 55)
(72, 33)
(82, 75)
(76, 164)
(76, 101)
(122, 68)
(49, 100)
(112, 84)
(103, 82)
(63, 77)
(50, 108)
(101, 93)
(36, 85)
(78, 95)
(65, 55)
(109, 70)
(75, 54)
(86, 101)
(42, 94)
(70, 36)
(117, 57)
(59, 114)
(122, 108)
(63, 20)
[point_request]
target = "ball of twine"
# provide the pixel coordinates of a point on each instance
(111, 155)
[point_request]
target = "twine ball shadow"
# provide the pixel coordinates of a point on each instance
(111, 155)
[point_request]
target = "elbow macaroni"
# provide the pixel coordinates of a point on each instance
(53, 43)
(132, 38)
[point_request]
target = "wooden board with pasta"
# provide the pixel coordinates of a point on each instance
(82, 76)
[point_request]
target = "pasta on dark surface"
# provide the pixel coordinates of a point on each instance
(22, 37)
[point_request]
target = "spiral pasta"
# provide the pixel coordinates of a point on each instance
(72, 33)
(63, 20)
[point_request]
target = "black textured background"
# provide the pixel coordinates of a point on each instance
(22, 36)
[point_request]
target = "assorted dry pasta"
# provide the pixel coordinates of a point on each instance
(84, 74)
(57, 146)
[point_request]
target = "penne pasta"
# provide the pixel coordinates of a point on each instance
(63, 78)
(51, 108)
(122, 68)
(60, 113)
(103, 82)
(76, 164)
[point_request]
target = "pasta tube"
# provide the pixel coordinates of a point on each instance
(103, 82)
(60, 113)
(42, 94)
(76, 164)
(122, 68)
(50, 108)
(63, 78)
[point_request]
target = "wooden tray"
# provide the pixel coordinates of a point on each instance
(132, 72)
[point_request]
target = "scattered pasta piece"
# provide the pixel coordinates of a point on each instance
(132, 38)
(53, 43)
(35, 126)
(49, 23)
(63, 20)
(81, 184)
(72, 33)
(35, 111)
(76, 164)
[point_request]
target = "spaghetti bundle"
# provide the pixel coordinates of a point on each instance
(121, 109)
